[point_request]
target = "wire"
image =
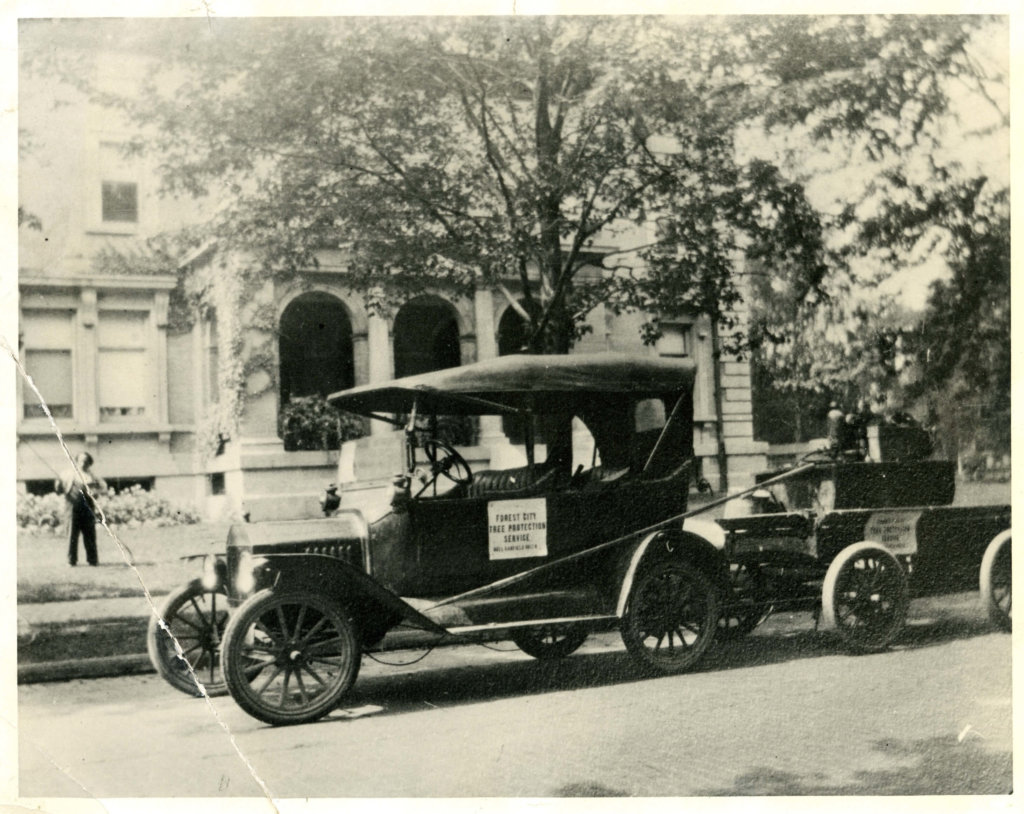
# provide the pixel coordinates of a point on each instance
(40, 457)
(416, 660)
(496, 649)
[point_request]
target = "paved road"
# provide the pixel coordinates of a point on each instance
(785, 712)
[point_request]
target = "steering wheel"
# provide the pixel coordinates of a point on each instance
(445, 460)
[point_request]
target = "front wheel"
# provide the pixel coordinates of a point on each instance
(554, 642)
(195, 619)
(671, 616)
(288, 658)
(865, 597)
(997, 581)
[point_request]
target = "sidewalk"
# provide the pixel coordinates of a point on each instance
(83, 639)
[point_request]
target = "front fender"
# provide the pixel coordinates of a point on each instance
(685, 545)
(375, 608)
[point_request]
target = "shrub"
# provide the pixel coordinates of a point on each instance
(130, 507)
(40, 513)
(310, 423)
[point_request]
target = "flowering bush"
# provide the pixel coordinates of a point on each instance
(40, 512)
(130, 507)
(310, 423)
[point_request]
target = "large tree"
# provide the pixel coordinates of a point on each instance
(513, 152)
(902, 127)
(501, 151)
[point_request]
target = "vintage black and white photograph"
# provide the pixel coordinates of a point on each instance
(537, 406)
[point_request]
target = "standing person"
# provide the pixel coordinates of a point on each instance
(81, 516)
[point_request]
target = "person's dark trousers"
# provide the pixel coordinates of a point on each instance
(81, 519)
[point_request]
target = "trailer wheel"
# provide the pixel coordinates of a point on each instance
(671, 616)
(288, 658)
(997, 581)
(865, 597)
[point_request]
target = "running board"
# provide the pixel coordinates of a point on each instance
(496, 627)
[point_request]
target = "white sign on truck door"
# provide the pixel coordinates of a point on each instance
(517, 528)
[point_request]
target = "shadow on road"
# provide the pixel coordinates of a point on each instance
(923, 766)
(473, 682)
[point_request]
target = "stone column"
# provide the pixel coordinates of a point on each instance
(87, 406)
(161, 302)
(487, 348)
(360, 358)
(381, 361)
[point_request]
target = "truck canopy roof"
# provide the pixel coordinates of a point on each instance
(549, 383)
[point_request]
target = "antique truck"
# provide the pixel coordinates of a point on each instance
(589, 532)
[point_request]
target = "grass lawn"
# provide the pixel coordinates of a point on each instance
(45, 576)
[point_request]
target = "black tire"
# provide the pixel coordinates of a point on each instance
(274, 638)
(996, 582)
(551, 642)
(196, 617)
(746, 607)
(865, 597)
(669, 601)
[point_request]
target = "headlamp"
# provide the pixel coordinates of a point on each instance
(213, 573)
(248, 566)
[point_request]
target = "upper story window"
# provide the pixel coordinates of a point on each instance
(120, 202)
(125, 375)
(49, 340)
(115, 197)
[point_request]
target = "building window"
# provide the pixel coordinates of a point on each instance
(124, 373)
(676, 341)
(120, 202)
(217, 484)
(49, 339)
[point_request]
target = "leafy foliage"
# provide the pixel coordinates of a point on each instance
(310, 423)
(459, 152)
(913, 115)
(450, 153)
(963, 344)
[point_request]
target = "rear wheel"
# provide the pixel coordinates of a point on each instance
(865, 597)
(551, 642)
(671, 616)
(290, 657)
(997, 581)
(195, 618)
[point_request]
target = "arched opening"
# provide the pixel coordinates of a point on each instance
(426, 337)
(513, 331)
(315, 347)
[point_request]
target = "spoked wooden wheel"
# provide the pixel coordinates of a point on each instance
(997, 581)
(196, 618)
(865, 597)
(289, 657)
(746, 607)
(671, 616)
(551, 642)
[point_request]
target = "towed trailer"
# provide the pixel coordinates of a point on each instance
(581, 537)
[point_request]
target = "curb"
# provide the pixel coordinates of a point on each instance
(96, 667)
